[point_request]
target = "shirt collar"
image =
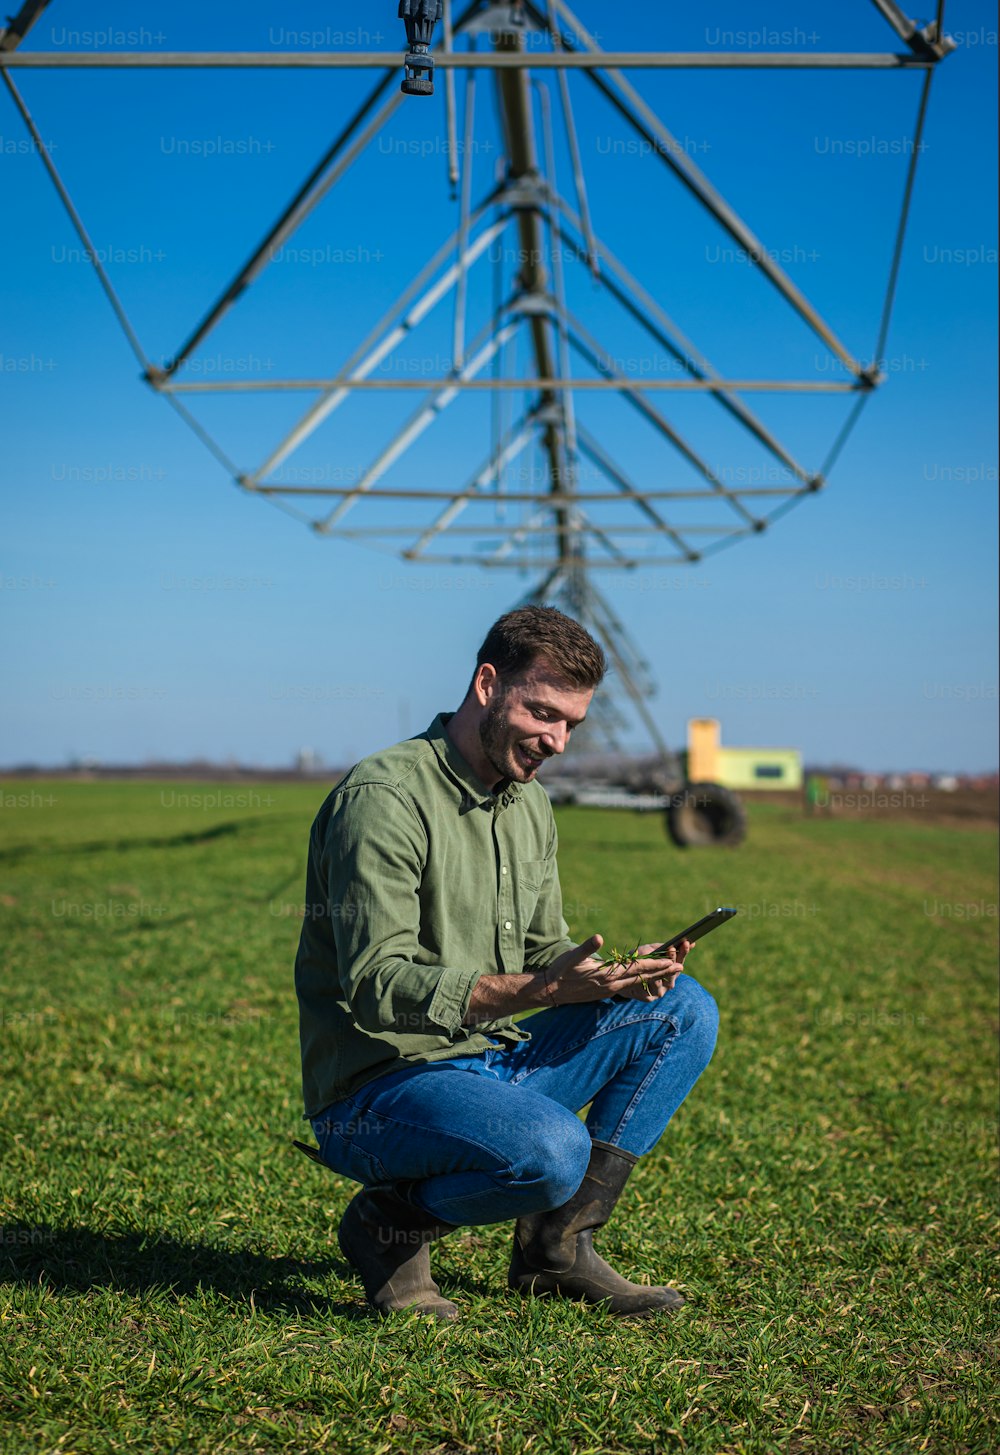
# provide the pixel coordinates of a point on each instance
(459, 769)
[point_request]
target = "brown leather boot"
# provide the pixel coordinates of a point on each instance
(554, 1252)
(386, 1238)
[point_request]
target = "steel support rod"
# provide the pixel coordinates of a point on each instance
(464, 219)
(645, 309)
(591, 349)
(612, 636)
(333, 397)
(18, 25)
(538, 524)
(544, 563)
(509, 448)
(416, 426)
(533, 525)
(559, 279)
(925, 43)
(607, 466)
(460, 60)
(78, 224)
(449, 94)
(626, 99)
(516, 497)
(579, 181)
(579, 525)
(519, 133)
(331, 166)
(621, 384)
(638, 665)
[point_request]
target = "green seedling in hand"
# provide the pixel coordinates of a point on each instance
(625, 958)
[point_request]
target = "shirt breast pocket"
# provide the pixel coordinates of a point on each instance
(530, 881)
(531, 874)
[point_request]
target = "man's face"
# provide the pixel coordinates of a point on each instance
(528, 719)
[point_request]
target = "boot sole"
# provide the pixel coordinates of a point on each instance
(529, 1290)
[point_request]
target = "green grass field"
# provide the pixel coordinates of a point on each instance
(169, 1275)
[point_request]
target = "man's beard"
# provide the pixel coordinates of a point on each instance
(502, 745)
(495, 737)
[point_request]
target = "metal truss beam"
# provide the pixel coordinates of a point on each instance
(45, 154)
(18, 25)
(544, 563)
(927, 44)
(380, 344)
(344, 150)
(627, 101)
(327, 172)
(588, 345)
(517, 118)
(648, 312)
(417, 424)
(542, 526)
(515, 497)
(561, 60)
(621, 383)
(577, 523)
(616, 474)
(511, 445)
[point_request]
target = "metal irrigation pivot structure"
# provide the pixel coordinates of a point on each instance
(519, 346)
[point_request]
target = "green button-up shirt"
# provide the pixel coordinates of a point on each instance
(420, 879)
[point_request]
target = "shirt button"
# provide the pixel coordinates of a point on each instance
(503, 869)
(506, 924)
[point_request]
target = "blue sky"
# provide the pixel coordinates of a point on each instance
(151, 609)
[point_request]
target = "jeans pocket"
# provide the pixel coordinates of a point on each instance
(342, 1131)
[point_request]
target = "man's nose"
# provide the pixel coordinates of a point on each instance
(555, 737)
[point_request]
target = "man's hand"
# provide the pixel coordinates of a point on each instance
(661, 974)
(576, 977)
(579, 976)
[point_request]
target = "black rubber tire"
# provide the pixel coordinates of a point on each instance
(702, 814)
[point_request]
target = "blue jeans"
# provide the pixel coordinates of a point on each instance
(495, 1136)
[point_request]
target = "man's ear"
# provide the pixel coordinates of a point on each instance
(486, 683)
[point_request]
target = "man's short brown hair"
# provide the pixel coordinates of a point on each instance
(531, 633)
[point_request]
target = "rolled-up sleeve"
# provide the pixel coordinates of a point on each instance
(374, 855)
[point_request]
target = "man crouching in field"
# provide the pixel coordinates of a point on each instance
(433, 916)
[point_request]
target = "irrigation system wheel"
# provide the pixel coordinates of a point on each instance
(705, 813)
